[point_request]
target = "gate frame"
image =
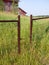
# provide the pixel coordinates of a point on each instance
(31, 24)
(18, 21)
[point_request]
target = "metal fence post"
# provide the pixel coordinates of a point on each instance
(19, 34)
(31, 21)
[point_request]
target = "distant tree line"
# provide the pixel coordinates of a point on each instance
(40, 16)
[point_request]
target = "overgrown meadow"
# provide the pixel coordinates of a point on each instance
(36, 53)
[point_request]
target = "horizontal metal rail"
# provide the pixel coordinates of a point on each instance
(40, 18)
(8, 20)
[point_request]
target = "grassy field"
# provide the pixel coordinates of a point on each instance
(35, 54)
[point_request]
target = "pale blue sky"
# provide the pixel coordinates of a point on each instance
(35, 7)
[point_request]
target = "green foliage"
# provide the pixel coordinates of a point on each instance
(1, 5)
(14, 6)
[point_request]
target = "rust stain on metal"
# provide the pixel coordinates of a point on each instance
(19, 34)
(31, 23)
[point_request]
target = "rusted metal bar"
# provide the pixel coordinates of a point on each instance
(31, 23)
(19, 34)
(8, 20)
(40, 18)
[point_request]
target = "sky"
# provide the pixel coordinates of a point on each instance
(35, 7)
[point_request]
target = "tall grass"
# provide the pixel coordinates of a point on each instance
(35, 54)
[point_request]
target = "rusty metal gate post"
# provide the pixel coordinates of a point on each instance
(31, 23)
(19, 34)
